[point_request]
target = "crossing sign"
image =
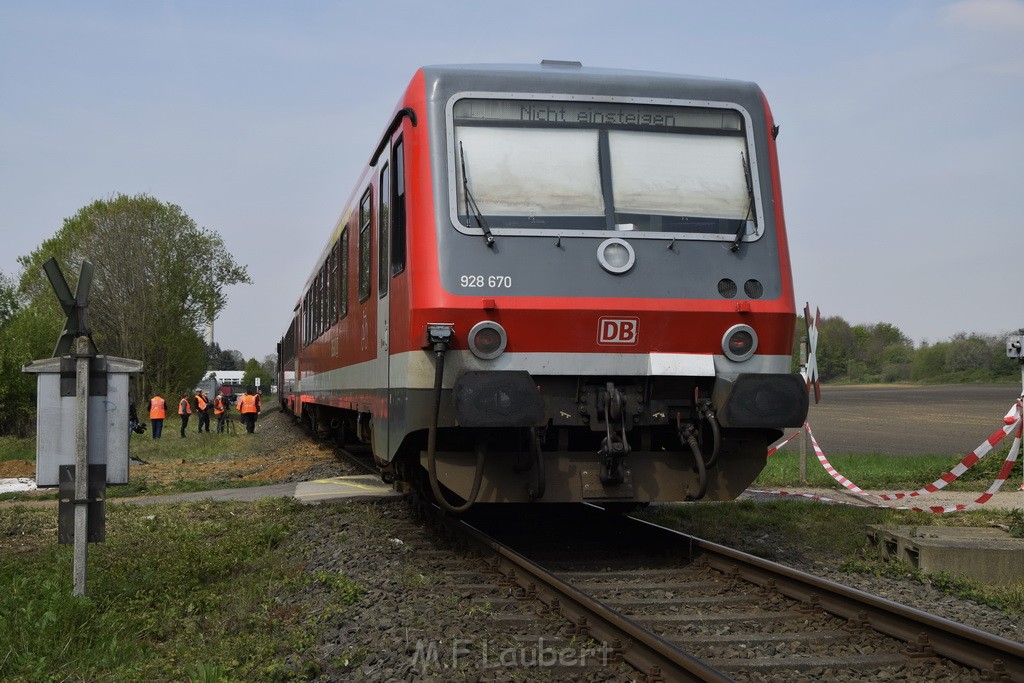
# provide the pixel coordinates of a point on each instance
(810, 371)
(74, 307)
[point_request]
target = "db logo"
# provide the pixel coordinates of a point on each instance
(618, 330)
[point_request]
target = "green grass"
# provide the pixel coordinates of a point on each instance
(886, 473)
(170, 447)
(193, 448)
(200, 592)
(13, 448)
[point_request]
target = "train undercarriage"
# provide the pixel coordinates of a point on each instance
(563, 439)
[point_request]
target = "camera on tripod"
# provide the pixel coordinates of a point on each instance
(1014, 344)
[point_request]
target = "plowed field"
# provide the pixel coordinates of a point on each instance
(904, 420)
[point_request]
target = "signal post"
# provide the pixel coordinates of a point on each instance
(82, 432)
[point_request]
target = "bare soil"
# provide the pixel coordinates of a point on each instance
(909, 420)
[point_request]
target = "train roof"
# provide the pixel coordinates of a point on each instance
(550, 72)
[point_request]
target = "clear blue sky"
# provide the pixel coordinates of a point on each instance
(902, 149)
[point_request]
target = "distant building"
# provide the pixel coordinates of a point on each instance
(231, 378)
(214, 379)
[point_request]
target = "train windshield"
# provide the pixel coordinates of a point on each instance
(538, 165)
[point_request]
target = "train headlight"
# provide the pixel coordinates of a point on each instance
(616, 255)
(739, 342)
(487, 339)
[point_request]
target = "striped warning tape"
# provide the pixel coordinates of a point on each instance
(1014, 423)
(949, 477)
(809, 496)
(828, 466)
(1004, 473)
(782, 442)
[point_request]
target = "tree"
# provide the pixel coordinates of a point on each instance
(223, 359)
(269, 365)
(26, 334)
(9, 303)
(967, 353)
(159, 279)
(253, 369)
(835, 347)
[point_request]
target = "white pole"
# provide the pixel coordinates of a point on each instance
(803, 430)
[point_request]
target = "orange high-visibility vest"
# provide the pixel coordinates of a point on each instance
(184, 408)
(218, 406)
(247, 404)
(201, 402)
(157, 408)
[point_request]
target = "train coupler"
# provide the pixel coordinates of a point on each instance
(614, 447)
(613, 462)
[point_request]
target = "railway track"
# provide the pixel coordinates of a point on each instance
(679, 608)
(676, 607)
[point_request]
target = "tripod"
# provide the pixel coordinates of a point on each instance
(228, 425)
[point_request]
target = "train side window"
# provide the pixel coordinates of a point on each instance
(319, 303)
(398, 209)
(332, 285)
(343, 274)
(365, 209)
(383, 221)
(307, 328)
(322, 309)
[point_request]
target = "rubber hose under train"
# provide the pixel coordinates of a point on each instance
(435, 487)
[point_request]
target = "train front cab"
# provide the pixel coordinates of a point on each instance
(561, 216)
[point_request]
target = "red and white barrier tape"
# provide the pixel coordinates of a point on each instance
(1004, 473)
(782, 442)
(810, 496)
(949, 477)
(1014, 422)
(828, 466)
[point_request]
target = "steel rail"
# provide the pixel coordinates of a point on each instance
(925, 633)
(659, 659)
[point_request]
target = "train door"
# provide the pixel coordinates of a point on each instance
(382, 419)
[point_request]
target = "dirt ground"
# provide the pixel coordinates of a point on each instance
(905, 420)
(284, 452)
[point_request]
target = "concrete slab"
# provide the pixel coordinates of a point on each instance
(986, 554)
(318, 491)
(334, 488)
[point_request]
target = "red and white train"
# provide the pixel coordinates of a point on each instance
(557, 283)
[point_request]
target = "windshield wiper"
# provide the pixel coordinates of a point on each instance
(750, 204)
(471, 204)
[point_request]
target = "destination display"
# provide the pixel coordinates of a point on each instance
(467, 111)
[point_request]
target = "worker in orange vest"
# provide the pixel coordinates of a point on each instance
(203, 410)
(247, 407)
(220, 410)
(157, 413)
(184, 410)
